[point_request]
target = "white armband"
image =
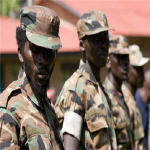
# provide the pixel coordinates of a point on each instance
(72, 124)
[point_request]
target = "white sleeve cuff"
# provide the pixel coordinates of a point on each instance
(72, 124)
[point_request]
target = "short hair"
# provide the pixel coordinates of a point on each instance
(21, 38)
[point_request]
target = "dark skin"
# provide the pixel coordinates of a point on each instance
(38, 63)
(145, 90)
(136, 78)
(95, 51)
(118, 66)
(70, 142)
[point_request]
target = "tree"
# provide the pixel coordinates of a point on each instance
(7, 7)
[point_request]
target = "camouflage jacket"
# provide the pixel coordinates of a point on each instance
(136, 118)
(24, 124)
(83, 111)
(121, 117)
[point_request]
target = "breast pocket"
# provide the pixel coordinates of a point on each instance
(120, 118)
(96, 120)
(98, 129)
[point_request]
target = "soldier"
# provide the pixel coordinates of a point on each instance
(118, 65)
(136, 78)
(27, 120)
(82, 107)
(128, 88)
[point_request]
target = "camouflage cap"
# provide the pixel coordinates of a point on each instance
(91, 23)
(41, 25)
(136, 57)
(118, 44)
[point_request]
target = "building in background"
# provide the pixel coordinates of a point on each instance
(129, 18)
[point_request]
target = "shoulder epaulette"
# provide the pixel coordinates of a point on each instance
(73, 84)
(10, 91)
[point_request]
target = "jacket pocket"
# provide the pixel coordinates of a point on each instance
(96, 120)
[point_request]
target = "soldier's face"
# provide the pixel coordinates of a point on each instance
(96, 47)
(136, 76)
(38, 63)
(119, 65)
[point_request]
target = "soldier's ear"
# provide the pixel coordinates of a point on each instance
(83, 52)
(108, 65)
(81, 46)
(20, 56)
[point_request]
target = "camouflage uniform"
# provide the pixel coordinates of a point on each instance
(82, 107)
(90, 118)
(41, 25)
(25, 123)
(136, 59)
(120, 110)
(121, 117)
(91, 23)
(119, 42)
(137, 126)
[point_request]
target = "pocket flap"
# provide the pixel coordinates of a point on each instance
(95, 120)
(97, 125)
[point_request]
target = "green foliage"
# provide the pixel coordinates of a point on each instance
(9, 6)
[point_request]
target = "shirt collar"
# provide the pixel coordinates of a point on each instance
(85, 70)
(110, 87)
(25, 86)
(107, 84)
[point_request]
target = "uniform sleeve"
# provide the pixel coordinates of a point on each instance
(138, 126)
(9, 131)
(99, 128)
(41, 142)
(70, 109)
